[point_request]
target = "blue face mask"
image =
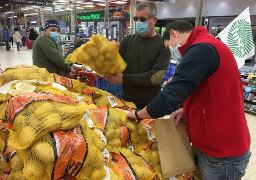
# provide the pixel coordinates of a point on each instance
(175, 52)
(55, 36)
(142, 28)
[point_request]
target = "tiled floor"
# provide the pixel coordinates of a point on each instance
(14, 57)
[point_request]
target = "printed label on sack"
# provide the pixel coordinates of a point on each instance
(112, 101)
(2, 158)
(105, 154)
(102, 137)
(88, 119)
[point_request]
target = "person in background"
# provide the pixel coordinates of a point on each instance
(146, 58)
(214, 117)
(32, 36)
(47, 53)
(23, 33)
(11, 34)
(17, 37)
(6, 37)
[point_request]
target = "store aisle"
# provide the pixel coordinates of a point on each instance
(14, 57)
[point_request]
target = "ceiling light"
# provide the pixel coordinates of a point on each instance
(118, 14)
(101, 4)
(68, 9)
(119, 2)
(89, 5)
(62, 1)
(1, 7)
(61, 10)
(79, 7)
(98, 0)
(126, 9)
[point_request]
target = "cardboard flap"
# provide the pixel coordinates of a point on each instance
(174, 148)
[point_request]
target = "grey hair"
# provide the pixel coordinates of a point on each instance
(152, 10)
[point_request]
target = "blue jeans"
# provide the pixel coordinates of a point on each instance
(18, 45)
(32, 43)
(214, 168)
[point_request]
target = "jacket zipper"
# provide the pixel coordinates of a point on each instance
(204, 114)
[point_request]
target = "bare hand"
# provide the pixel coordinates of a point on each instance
(114, 78)
(115, 42)
(131, 116)
(178, 115)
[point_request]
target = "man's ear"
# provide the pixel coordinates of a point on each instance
(155, 19)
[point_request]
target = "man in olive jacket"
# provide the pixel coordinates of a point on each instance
(47, 53)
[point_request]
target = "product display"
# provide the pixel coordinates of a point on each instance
(248, 78)
(53, 127)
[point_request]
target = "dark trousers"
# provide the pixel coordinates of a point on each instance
(7, 44)
(11, 40)
(24, 40)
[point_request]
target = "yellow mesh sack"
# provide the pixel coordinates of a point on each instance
(93, 166)
(100, 55)
(32, 119)
(3, 106)
(11, 74)
(4, 97)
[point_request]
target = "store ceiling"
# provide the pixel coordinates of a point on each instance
(65, 6)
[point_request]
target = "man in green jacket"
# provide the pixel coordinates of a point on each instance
(146, 57)
(47, 53)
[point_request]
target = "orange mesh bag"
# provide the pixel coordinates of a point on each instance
(57, 154)
(121, 167)
(34, 114)
(141, 168)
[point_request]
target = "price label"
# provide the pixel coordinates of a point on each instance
(112, 101)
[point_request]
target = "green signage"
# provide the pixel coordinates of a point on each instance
(89, 17)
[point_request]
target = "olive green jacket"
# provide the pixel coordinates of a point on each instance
(48, 54)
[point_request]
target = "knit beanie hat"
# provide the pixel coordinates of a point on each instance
(51, 23)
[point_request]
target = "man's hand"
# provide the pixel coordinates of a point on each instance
(178, 115)
(114, 78)
(131, 116)
(115, 42)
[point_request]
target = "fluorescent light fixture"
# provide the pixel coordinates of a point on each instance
(1, 7)
(62, 1)
(79, 8)
(89, 5)
(35, 6)
(98, 0)
(61, 10)
(6, 5)
(119, 2)
(68, 9)
(101, 4)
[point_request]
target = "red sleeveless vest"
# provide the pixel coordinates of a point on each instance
(214, 112)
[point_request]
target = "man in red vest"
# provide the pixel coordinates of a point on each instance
(208, 83)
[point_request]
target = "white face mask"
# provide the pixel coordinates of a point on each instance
(175, 52)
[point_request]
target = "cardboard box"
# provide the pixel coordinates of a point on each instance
(174, 148)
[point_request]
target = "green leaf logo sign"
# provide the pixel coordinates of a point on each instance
(240, 39)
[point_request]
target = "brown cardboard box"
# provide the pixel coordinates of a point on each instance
(174, 148)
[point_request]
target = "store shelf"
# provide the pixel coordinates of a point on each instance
(252, 91)
(246, 75)
(250, 100)
(249, 83)
(250, 111)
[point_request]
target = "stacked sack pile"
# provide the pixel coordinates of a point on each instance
(53, 127)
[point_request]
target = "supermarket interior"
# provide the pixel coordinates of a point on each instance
(38, 140)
